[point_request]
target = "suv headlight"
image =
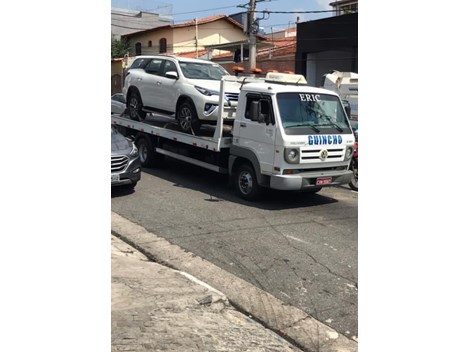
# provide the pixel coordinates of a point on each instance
(134, 151)
(205, 91)
(292, 155)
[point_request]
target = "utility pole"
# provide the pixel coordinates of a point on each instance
(252, 33)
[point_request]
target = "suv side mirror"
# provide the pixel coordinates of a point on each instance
(171, 74)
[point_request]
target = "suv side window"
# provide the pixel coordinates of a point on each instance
(154, 67)
(139, 63)
(169, 66)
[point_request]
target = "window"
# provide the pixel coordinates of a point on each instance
(150, 44)
(169, 66)
(163, 45)
(154, 66)
(138, 49)
(264, 106)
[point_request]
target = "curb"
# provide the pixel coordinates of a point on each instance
(291, 323)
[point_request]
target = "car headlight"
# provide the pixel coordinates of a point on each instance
(205, 91)
(135, 151)
(292, 155)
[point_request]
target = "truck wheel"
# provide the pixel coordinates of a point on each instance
(354, 184)
(147, 155)
(187, 118)
(134, 107)
(246, 184)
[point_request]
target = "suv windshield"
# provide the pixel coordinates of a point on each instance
(313, 112)
(196, 70)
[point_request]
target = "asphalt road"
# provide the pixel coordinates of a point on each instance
(300, 247)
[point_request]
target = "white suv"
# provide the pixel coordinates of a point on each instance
(187, 88)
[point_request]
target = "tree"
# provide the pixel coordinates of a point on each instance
(119, 47)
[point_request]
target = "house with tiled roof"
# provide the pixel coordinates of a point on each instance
(186, 39)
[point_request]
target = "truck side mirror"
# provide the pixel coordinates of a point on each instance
(254, 110)
(347, 107)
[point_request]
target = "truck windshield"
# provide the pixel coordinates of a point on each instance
(304, 112)
(196, 70)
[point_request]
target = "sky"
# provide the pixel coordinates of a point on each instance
(186, 10)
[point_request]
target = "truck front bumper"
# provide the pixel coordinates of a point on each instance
(308, 180)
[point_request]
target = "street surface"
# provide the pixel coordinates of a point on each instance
(300, 247)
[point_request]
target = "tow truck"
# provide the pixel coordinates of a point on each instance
(286, 135)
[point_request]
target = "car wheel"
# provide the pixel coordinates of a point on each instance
(187, 118)
(134, 107)
(147, 155)
(246, 184)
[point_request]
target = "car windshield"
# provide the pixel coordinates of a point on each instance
(196, 70)
(316, 112)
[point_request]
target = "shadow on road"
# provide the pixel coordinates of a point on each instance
(120, 191)
(218, 188)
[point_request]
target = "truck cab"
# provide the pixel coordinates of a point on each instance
(289, 136)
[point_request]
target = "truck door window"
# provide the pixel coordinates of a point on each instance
(265, 107)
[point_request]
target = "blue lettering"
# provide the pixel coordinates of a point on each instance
(310, 140)
(316, 140)
(329, 139)
(340, 139)
(324, 140)
(335, 139)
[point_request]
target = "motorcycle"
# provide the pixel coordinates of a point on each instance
(353, 166)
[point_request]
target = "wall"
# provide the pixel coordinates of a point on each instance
(116, 76)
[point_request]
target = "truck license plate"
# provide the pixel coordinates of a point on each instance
(114, 178)
(323, 181)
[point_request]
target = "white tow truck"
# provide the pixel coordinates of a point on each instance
(346, 85)
(286, 135)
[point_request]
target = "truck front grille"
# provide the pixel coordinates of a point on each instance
(313, 155)
(118, 163)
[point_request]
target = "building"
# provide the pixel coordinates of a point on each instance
(125, 21)
(189, 37)
(326, 45)
(344, 7)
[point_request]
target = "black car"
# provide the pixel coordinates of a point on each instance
(125, 162)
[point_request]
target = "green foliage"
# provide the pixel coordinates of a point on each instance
(119, 48)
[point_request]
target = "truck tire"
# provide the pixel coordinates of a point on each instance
(246, 183)
(134, 107)
(354, 184)
(147, 154)
(187, 118)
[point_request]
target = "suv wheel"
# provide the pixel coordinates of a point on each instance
(134, 106)
(187, 118)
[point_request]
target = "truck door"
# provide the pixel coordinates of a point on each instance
(259, 135)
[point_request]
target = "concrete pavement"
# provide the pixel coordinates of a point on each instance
(156, 308)
(287, 321)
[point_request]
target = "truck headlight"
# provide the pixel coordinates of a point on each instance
(292, 155)
(349, 153)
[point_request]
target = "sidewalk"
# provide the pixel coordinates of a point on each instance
(155, 308)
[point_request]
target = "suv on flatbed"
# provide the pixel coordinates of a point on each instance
(187, 88)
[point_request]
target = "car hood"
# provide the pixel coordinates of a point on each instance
(119, 144)
(230, 87)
